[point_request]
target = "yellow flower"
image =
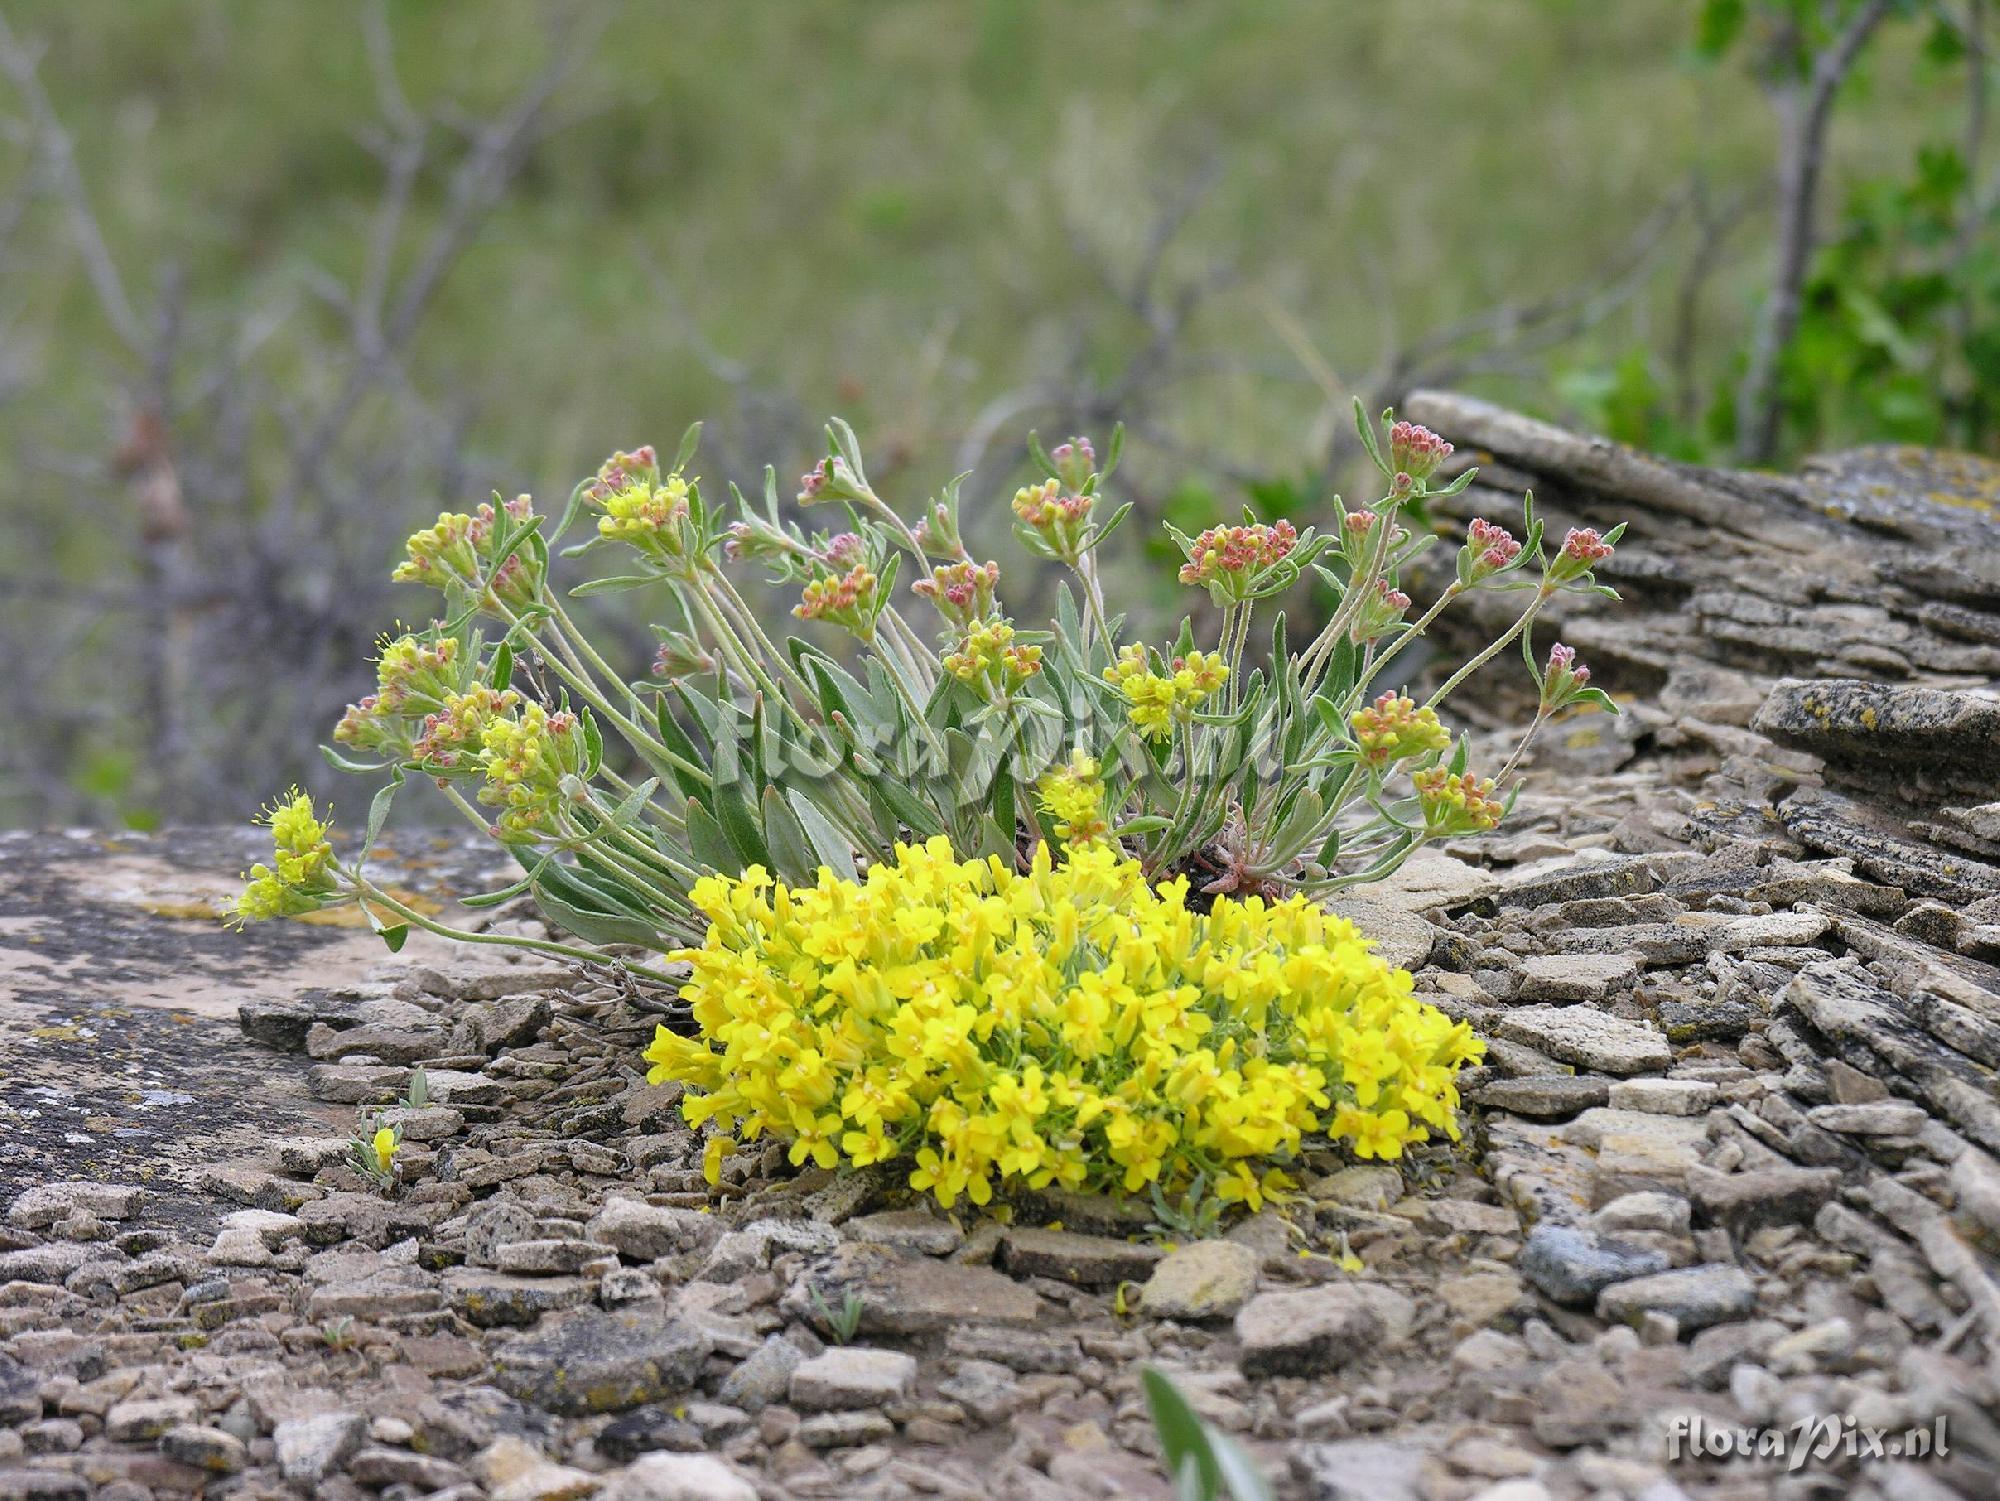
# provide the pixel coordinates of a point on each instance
(300, 877)
(1154, 703)
(385, 1145)
(1068, 1025)
(1073, 795)
(713, 1154)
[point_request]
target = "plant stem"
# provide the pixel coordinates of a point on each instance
(1416, 628)
(1527, 615)
(373, 894)
(641, 740)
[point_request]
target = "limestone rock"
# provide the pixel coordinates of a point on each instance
(1314, 1331)
(1694, 1297)
(1210, 1279)
(678, 1477)
(850, 1377)
(602, 1362)
(1587, 1038)
(1086, 1260)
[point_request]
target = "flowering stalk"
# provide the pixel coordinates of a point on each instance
(741, 754)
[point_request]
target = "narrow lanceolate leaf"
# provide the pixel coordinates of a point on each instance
(616, 584)
(791, 853)
(627, 812)
(828, 843)
(708, 844)
(568, 902)
(341, 762)
(378, 811)
(690, 440)
(739, 820)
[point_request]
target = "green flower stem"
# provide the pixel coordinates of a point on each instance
(641, 879)
(375, 896)
(665, 816)
(642, 740)
(1527, 618)
(1192, 809)
(899, 666)
(1375, 872)
(1235, 637)
(907, 537)
(1415, 629)
(579, 642)
(920, 653)
(1541, 717)
(747, 618)
(1316, 655)
(1093, 602)
(731, 645)
(640, 850)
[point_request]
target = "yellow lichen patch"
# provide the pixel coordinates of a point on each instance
(198, 909)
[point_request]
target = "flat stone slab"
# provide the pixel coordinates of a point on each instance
(602, 1362)
(1587, 1038)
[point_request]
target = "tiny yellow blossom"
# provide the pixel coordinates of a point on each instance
(385, 1145)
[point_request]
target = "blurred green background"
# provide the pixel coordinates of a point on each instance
(280, 279)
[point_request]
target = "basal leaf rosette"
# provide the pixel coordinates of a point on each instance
(1069, 1025)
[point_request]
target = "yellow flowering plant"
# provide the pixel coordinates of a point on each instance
(1005, 905)
(1070, 1024)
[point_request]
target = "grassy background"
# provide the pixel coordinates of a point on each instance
(903, 211)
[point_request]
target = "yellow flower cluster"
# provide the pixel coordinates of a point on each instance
(647, 514)
(1154, 702)
(300, 875)
(527, 759)
(1394, 729)
(1073, 795)
(989, 656)
(1069, 1025)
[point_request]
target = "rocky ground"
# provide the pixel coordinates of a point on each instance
(1733, 1153)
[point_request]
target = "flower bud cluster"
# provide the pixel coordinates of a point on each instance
(458, 727)
(962, 591)
(850, 600)
(681, 656)
(1229, 558)
(1155, 703)
(1380, 611)
(1076, 463)
(412, 678)
(1461, 804)
(1582, 550)
(1416, 451)
(460, 552)
(1394, 729)
(1564, 680)
(527, 758)
(829, 479)
(1052, 522)
(1488, 549)
(990, 659)
(646, 510)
